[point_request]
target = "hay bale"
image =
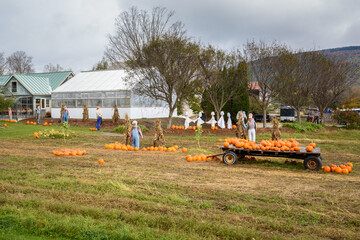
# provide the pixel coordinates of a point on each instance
(127, 133)
(240, 130)
(116, 116)
(85, 113)
(275, 135)
(159, 139)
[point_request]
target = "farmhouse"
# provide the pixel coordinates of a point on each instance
(104, 89)
(30, 90)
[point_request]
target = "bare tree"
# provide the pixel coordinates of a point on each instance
(51, 68)
(293, 70)
(330, 78)
(156, 52)
(222, 76)
(136, 29)
(2, 63)
(101, 65)
(261, 60)
(19, 62)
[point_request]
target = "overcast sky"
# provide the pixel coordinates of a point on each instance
(73, 33)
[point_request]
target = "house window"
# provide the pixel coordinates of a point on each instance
(42, 103)
(13, 87)
(47, 103)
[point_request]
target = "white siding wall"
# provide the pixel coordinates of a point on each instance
(134, 113)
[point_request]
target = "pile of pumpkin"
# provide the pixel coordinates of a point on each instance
(343, 168)
(8, 120)
(265, 145)
(31, 123)
(47, 124)
(68, 152)
(214, 128)
(177, 127)
(119, 146)
(200, 158)
(93, 129)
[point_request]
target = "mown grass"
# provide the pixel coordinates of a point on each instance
(153, 195)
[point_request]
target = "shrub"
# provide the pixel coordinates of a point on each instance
(121, 128)
(350, 118)
(304, 127)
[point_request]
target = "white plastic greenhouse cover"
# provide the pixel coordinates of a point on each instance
(108, 80)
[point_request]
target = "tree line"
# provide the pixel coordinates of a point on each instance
(169, 65)
(20, 63)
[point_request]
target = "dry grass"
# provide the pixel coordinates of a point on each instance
(157, 195)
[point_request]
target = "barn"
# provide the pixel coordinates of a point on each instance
(104, 89)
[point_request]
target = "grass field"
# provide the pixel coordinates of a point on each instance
(159, 195)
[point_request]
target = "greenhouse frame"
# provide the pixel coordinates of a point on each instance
(104, 89)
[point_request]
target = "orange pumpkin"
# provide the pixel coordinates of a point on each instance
(313, 145)
(349, 164)
(226, 144)
(144, 149)
(184, 150)
(309, 148)
(101, 161)
(338, 170)
(345, 171)
(136, 149)
(327, 169)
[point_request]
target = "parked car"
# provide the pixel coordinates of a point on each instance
(259, 118)
(287, 114)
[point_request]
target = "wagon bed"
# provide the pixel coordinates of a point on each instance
(312, 160)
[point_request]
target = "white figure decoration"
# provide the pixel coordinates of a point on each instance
(212, 120)
(221, 121)
(199, 120)
(229, 122)
(187, 121)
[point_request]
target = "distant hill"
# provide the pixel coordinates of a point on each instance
(351, 54)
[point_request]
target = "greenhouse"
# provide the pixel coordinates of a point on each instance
(104, 89)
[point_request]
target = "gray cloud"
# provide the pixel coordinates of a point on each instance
(73, 32)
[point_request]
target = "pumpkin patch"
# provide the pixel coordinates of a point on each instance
(343, 168)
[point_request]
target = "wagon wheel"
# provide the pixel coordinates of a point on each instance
(312, 163)
(230, 158)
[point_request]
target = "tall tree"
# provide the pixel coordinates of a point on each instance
(261, 60)
(293, 70)
(221, 76)
(156, 51)
(51, 68)
(19, 62)
(2, 63)
(330, 78)
(168, 71)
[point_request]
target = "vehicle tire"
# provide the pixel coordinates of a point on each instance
(312, 163)
(230, 158)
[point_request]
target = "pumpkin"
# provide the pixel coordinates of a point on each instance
(234, 126)
(212, 128)
(327, 169)
(136, 149)
(27, 122)
(5, 125)
(309, 148)
(50, 124)
(226, 144)
(313, 145)
(338, 170)
(348, 168)
(144, 149)
(184, 150)
(345, 171)
(101, 161)
(349, 164)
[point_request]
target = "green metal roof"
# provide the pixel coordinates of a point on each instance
(39, 83)
(3, 79)
(55, 78)
(34, 84)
